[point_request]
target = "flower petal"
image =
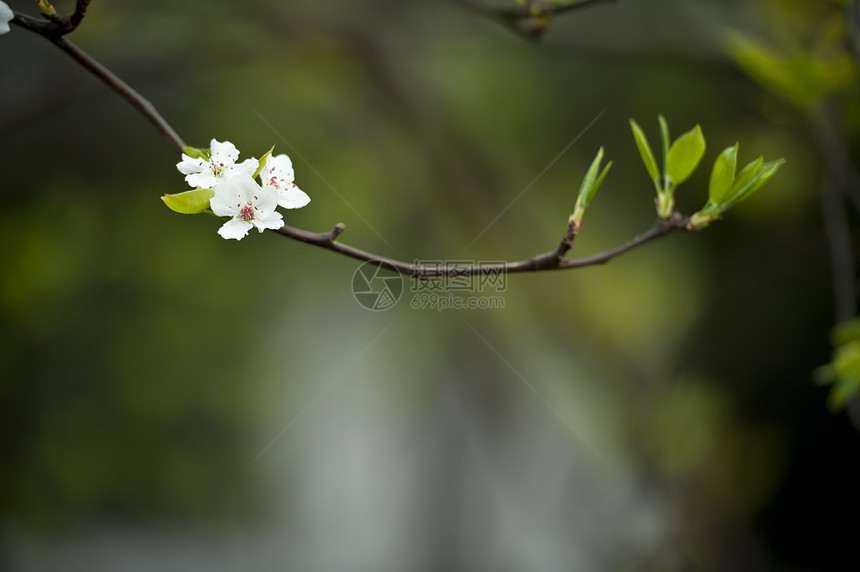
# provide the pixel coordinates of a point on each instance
(248, 166)
(223, 203)
(205, 179)
(280, 166)
(274, 221)
(6, 16)
(232, 194)
(190, 165)
(266, 199)
(235, 228)
(293, 198)
(224, 152)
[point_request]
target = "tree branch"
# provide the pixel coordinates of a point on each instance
(854, 31)
(541, 8)
(552, 260)
(518, 19)
(55, 28)
(54, 31)
(845, 181)
(841, 251)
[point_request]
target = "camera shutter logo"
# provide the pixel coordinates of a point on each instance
(377, 286)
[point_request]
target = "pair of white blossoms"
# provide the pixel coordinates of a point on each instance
(237, 194)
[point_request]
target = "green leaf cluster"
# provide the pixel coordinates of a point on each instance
(803, 77)
(680, 159)
(727, 189)
(682, 156)
(843, 373)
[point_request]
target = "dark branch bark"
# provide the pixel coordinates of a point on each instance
(538, 8)
(80, 12)
(56, 28)
(126, 91)
(519, 19)
(552, 260)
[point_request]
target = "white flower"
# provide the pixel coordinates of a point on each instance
(6, 16)
(278, 174)
(220, 166)
(247, 204)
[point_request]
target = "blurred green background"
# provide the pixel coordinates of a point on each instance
(169, 399)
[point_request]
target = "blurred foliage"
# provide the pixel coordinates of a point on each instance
(147, 362)
(806, 59)
(844, 371)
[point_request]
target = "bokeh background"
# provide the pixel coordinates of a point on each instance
(170, 400)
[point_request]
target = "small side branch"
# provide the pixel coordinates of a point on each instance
(531, 19)
(54, 27)
(540, 8)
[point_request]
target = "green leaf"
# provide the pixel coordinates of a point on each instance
(847, 360)
(645, 152)
(765, 174)
(846, 332)
(824, 374)
(684, 155)
(196, 153)
(844, 371)
(747, 174)
(189, 202)
(590, 183)
(843, 391)
(751, 179)
(586, 188)
(263, 162)
(723, 175)
(599, 180)
(664, 135)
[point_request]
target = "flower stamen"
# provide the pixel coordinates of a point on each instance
(246, 213)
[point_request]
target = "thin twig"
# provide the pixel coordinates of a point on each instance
(54, 31)
(126, 91)
(844, 183)
(552, 260)
(854, 31)
(54, 27)
(543, 8)
(535, 12)
(836, 154)
(80, 11)
(841, 250)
